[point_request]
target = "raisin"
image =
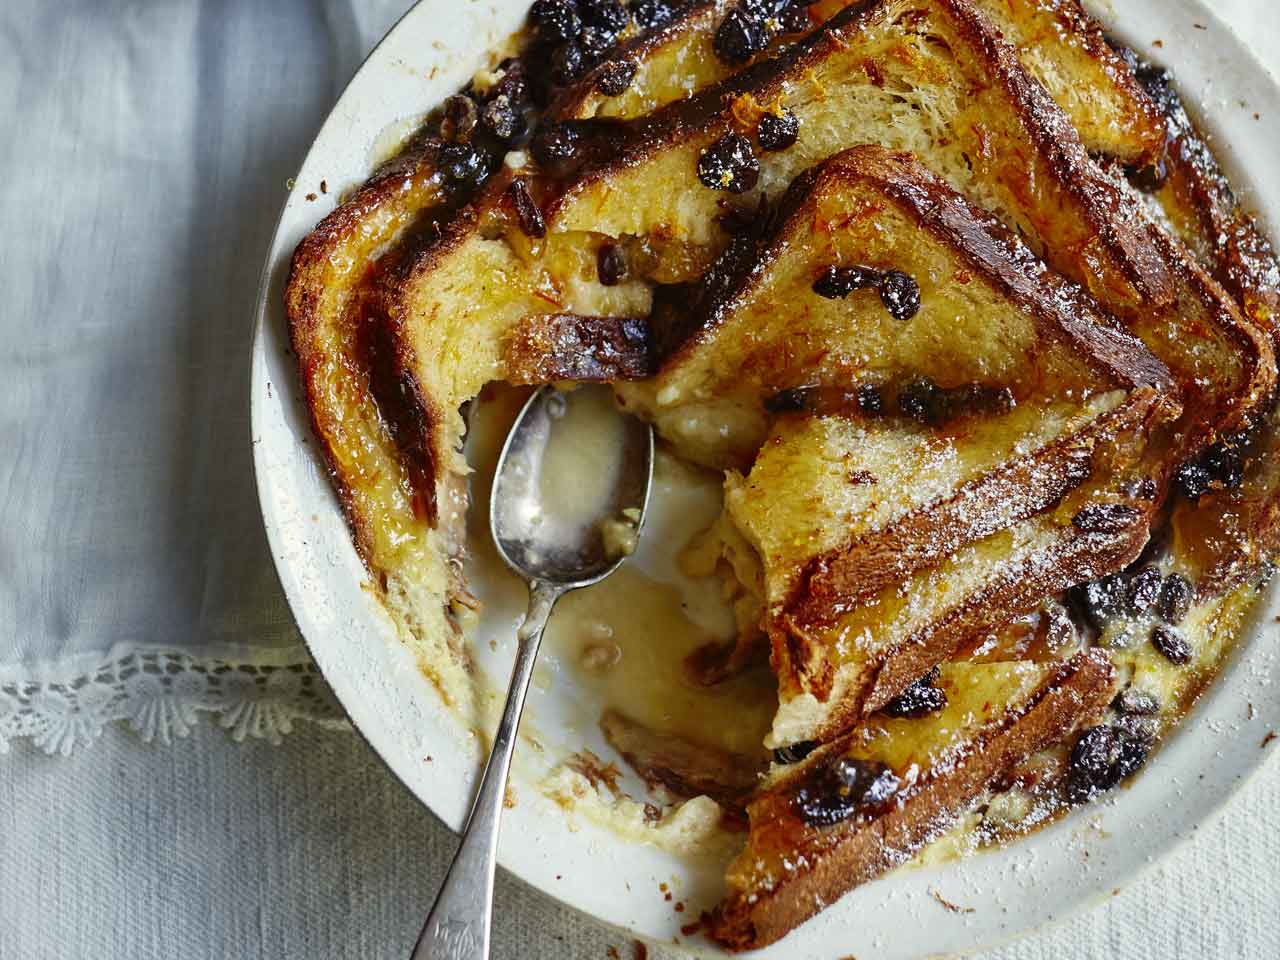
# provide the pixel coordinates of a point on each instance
(871, 782)
(795, 752)
(1143, 589)
(1101, 758)
(922, 400)
(786, 401)
(555, 145)
(1192, 479)
(1175, 598)
(1143, 729)
(1225, 466)
(836, 282)
(900, 295)
(614, 77)
(650, 14)
(608, 15)
(459, 118)
(502, 119)
(778, 132)
(794, 19)
(1100, 600)
(763, 9)
(611, 264)
(1171, 645)
(919, 699)
(527, 211)
(462, 165)
(1221, 467)
(729, 164)
(1105, 518)
(1148, 179)
(870, 399)
(568, 63)
(1136, 702)
(740, 37)
(843, 788)
(596, 42)
(556, 19)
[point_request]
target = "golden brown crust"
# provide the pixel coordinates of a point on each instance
(836, 581)
(321, 304)
(1065, 312)
(849, 854)
(565, 346)
(1128, 263)
(694, 22)
(1017, 588)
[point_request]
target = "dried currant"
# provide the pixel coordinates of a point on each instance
(462, 165)
(615, 76)
(1149, 178)
(843, 788)
(778, 131)
(1171, 645)
(729, 164)
(795, 752)
(1176, 595)
(1136, 702)
(556, 19)
(568, 63)
(526, 209)
(1143, 589)
(740, 37)
(1100, 759)
(870, 399)
(1105, 518)
(459, 121)
(921, 399)
(607, 15)
(836, 282)
(786, 401)
(900, 295)
(653, 13)
(1100, 600)
(596, 42)
(1192, 479)
(1225, 466)
(794, 19)
(555, 145)
(611, 264)
(501, 118)
(919, 699)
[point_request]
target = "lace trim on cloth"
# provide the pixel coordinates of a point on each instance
(160, 693)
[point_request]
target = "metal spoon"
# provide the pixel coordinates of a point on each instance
(555, 544)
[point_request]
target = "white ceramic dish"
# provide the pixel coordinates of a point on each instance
(428, 55)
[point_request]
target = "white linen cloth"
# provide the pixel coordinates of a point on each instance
(146, 146)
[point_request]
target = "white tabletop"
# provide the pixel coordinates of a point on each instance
(146, 146)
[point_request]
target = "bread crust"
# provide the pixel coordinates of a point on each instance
(851, 853)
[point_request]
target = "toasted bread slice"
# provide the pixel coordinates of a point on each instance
(808, 846)
(672, 62)
(944, 82)
(1233, 528)
(988, 311)
(1060, 44)
(851, 512)
(945, 86)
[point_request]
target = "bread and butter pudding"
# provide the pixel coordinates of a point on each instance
(951, 300)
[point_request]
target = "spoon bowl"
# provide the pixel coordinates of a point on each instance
(572, 481)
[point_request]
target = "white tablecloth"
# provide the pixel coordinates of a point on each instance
(146, 146)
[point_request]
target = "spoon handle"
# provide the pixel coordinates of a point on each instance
(459, 923)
